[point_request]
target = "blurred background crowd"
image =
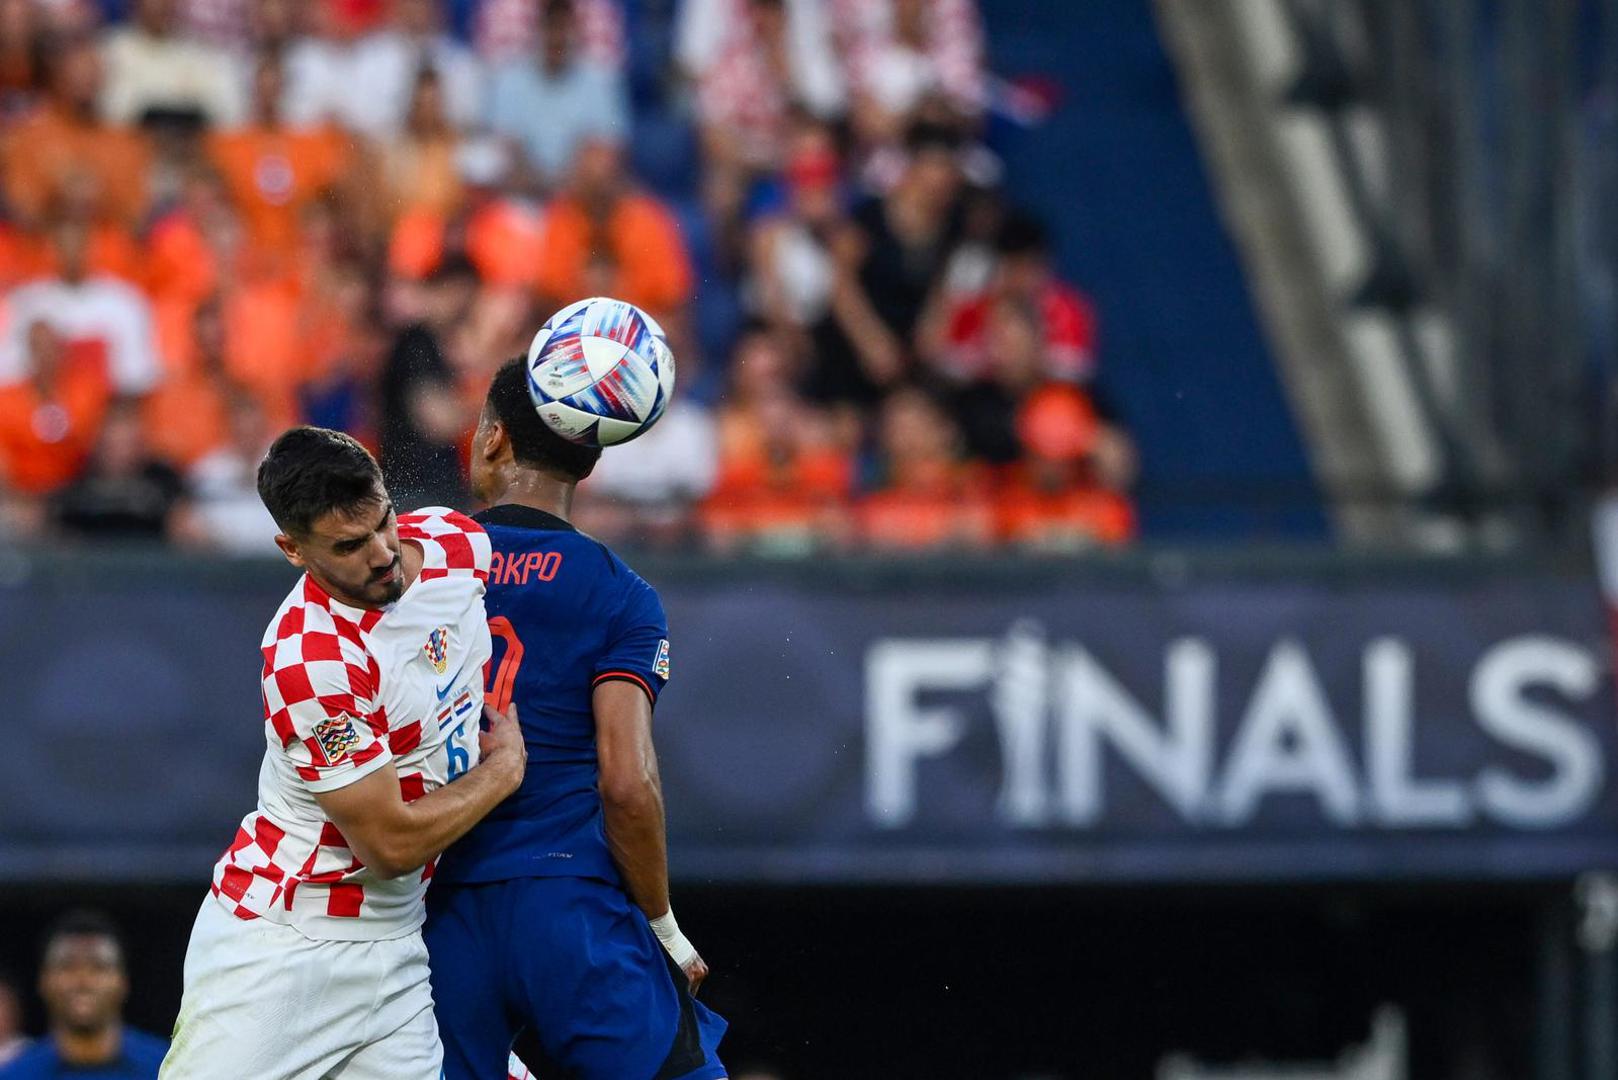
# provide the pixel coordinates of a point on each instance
(222, 217)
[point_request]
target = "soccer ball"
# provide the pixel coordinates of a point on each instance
(600, 372)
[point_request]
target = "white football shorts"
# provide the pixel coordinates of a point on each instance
(263, 1002)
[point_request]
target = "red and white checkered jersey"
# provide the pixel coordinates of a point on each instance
(347, 690)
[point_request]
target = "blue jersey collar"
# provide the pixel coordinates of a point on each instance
(523, 517)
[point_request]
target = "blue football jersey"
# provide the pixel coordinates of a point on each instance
(565, 614)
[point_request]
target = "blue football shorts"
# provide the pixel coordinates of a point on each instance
(568, 970)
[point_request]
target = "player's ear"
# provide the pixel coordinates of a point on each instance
(495, 445)
(289, 548)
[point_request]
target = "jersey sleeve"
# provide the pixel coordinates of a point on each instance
(638, 647)
(321, 701)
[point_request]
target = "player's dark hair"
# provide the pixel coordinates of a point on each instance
(83, 922)
(310, 472)
(1022, 233)
(532, 442)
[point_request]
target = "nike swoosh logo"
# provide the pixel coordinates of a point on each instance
(453, 679)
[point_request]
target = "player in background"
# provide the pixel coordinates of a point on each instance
(84, 984)
(306, 960)
(552, 917)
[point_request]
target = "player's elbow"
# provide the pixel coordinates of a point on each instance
(388, 869)
(388, 858)
(631, 793)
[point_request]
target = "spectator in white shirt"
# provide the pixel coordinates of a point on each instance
(81, 306)
(756, 63)
(149, 66)
(551, 103)
(647, 491)
(319, 65)
(738, 42)
(899, 53)
(386, 64)
(228, 513)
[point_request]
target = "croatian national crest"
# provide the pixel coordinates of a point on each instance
(437, 649)
(337, 736)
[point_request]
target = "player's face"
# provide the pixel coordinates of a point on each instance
(83, 982)
(355, 555)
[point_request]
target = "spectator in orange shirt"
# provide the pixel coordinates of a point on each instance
(499, 235)
(1016, 366)
(273, 171)
(605, 238)
(110, 249)
(930, 497)
(64, 142)
(187, 417)
(418, 166)
(50, 419)
(1057, 500)
(783, 481)
(191, 252)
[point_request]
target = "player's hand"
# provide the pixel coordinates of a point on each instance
(501, 744)
(696, 970)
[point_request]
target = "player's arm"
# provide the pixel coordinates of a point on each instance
(632, 810)
(393, 837)
(631, 793)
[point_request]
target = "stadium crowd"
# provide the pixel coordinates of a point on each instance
(221, 217)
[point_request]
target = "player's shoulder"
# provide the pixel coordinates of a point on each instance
(314, 639)
(637, 600)
(451, 542)
(144, 1049)
(630, 578)
(308, 610)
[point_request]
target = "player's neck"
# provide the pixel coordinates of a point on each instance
(539, 491)
(88, 1047)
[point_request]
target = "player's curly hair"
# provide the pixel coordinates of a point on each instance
(532, 442)
(310, 472)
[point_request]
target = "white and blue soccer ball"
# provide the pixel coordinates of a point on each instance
(600, 372)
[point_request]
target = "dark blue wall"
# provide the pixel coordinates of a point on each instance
(1118, 173)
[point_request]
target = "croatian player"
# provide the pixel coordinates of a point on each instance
(552, 916)
(306, 960)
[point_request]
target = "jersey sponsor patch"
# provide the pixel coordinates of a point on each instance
(437, 649)
(660, 666)
(337, 736)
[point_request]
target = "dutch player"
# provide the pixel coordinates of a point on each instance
(306, 959)
(552, 916)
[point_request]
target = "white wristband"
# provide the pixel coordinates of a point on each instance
(674, 943)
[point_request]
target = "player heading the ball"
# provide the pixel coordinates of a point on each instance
(306, 959)
(550, 922)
